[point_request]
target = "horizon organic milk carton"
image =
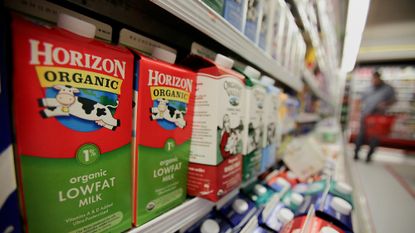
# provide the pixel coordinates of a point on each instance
(253, 133)
(164, 97)
(270, 139)
(216, 149)
(72, 109)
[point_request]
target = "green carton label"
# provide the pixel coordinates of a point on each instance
(76, 195)
(162, 179)
(251, 165)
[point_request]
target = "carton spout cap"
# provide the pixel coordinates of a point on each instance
(224, 61)
(164, 55)
(76, 26)
(210, 226)
(251, 72)
(267, 80)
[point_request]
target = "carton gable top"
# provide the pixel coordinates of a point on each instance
(204, 65)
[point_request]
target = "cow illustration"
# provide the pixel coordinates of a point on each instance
(169, 113)
(66, 103)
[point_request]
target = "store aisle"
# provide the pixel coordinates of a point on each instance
(388, 184)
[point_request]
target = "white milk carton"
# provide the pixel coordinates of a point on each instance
(271, 120)
(216, 147)
(253, 123)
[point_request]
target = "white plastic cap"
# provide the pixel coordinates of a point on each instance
(76, 25)
(223, 61)
(342, 187)
(240, 206)
(164, 55)
(328, 230)
(251, 72)
(296, 198)
(282, 182)
(291, 175)
(259, 190)
(267, 80)
(210, 226)
(285, 216)
(341, 206)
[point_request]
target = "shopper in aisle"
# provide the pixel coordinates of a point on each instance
(376, 100)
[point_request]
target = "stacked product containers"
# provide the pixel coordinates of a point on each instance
(216, 148)
(270, 139)
(72, 109)
(164, 104)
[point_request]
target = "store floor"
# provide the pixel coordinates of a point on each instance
(388, 185)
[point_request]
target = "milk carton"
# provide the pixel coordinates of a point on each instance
(9, 209)
(235, 12)
(164, 97)
(72, 109)
(278, 29)
(253, 124)
(270, 139)
(216, 149)
(266, 24)
(253, 19)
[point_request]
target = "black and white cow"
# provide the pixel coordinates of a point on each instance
(66, 103)
(164, 111)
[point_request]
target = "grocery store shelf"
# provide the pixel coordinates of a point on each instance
(178, 217)
(200, 16)
(184, 215)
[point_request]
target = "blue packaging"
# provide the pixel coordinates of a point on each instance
(234, 12)
(270, 141)
(338, 211)
(238, 211)
(9, 208)
(212, 222)
(253, 14)
(267, 17)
